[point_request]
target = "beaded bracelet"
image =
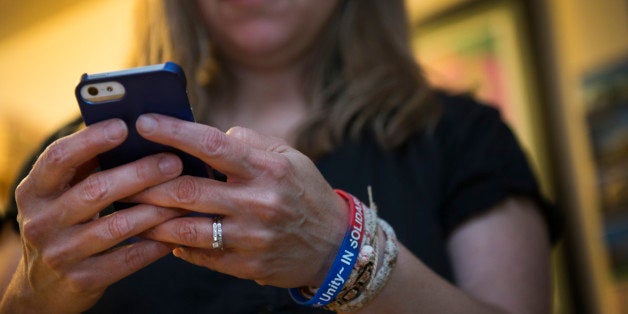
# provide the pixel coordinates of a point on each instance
(365, 267)
(377, 283)
(344, 262)
(352, 290)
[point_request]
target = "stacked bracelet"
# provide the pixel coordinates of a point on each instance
(351, 288)
(377, 283)
(343, 264)
(364, 269)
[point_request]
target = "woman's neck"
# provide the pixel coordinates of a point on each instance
(268, 101)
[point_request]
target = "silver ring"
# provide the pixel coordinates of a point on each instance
(217, 233)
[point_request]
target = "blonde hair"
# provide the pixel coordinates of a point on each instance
(362, 76)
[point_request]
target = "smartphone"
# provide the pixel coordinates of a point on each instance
(127, 94)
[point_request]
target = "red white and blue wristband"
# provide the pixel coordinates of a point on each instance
(344, 262)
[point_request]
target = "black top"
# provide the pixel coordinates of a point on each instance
(425, 189)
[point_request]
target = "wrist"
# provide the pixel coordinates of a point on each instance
(338, 230)
(345, 259)
(362, 265)
(21, 297)
(18, 296)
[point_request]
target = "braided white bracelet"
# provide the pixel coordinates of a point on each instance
(366, 279)
(377, 283)
(365, 267)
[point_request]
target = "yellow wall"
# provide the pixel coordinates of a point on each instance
(438, 46)
(586, 35)
(41, 63)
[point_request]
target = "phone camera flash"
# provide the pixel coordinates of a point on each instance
(102, 92)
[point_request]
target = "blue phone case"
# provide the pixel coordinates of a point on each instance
(157, 88)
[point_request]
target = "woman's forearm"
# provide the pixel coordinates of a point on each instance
(500, 261)
(413, 287)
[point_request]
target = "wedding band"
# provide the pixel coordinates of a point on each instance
(217, 233)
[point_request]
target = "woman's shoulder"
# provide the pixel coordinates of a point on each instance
(471, 138)
(463, 115)
(463, 122)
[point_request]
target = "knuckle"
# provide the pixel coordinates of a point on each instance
(279, 146)
(271, 207)
(280, 168)
(238, 132)
(176, 129)
(263, 241)
(135, 258)
(94, 188)
(257, 270)
(20, 219)
(142, 171)
(32, 229)
(53, 259)
(270, 215)
(187, 232)
(23, 193)
(214, 142)
(79, 283)
(55, 154)
(186, 191)
(118, 226)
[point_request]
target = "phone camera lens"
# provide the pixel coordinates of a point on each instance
(109, 89)
(92, 90)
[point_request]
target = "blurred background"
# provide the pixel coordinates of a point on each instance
(556, 69)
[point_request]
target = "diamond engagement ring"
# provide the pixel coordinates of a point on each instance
(217, 233)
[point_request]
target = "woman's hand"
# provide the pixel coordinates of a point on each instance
(282, 222)
(69, 256)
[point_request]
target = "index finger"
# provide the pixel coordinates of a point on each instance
(57, 165)
(226, 154)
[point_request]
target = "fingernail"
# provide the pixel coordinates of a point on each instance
(178, 252)
(146, 124)
(169, 164)
(114, 130)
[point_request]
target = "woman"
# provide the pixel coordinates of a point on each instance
(328, 96)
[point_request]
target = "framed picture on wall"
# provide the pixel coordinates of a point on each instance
(479, 47)
(605, 92)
